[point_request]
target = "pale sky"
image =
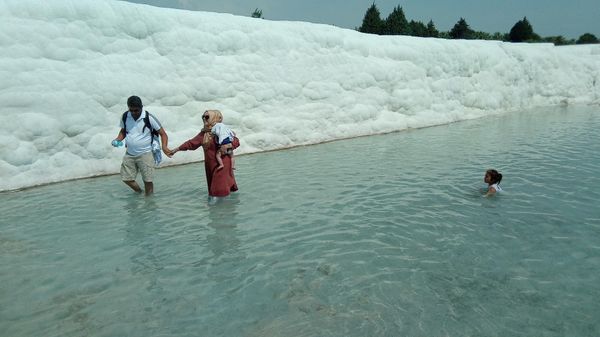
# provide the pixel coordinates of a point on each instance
(570, 18)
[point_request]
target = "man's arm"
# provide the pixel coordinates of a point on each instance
(164, 141)
(121, 135)
(118, 141)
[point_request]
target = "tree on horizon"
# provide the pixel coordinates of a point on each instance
(396, 23)
(431, 30)
(558, 40)
(372, 22)
(417, 28)
(461, 30)
(522, 31)
(500, 36)
(257, 14)
(587, 38)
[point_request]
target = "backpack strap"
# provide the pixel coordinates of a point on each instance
(124, 119)
(153, 133)
(148, 125)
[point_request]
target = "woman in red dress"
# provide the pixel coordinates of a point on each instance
(219, 182)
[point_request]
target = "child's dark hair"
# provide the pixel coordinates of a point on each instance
(495, 176)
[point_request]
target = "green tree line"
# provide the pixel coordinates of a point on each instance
(397, 24)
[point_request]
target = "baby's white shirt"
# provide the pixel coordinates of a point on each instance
(222, 131)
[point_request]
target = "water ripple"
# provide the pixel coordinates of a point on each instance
(340, 239)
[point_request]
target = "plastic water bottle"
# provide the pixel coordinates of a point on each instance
(117, 143)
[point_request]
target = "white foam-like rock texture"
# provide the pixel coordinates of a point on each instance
(67, 68)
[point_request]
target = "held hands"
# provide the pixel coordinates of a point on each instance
(166, 150)
(170, 152)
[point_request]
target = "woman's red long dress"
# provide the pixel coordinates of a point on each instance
(220, 183)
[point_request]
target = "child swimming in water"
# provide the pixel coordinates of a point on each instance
(492, 178)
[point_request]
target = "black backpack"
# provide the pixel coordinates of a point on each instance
(153, 133)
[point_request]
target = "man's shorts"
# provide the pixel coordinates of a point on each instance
(143, 164)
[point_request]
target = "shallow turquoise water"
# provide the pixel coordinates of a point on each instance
(377, 236)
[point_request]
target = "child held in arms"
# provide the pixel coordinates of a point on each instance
(224, 138)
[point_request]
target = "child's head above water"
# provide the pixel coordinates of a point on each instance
(492, 177)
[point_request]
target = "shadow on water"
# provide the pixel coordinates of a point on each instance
(149, 223)
(223, 220)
